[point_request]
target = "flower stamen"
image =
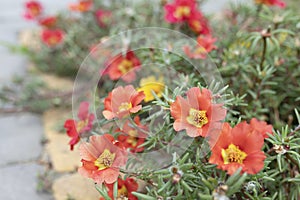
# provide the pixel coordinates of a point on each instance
(233, 155)
(125, 66)
(197, 118)
(105, 160)
(125, 106)
(122, 193)
(182, 11)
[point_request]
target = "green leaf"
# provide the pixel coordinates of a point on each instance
(115, 189)
(102, 191)
(143, 196)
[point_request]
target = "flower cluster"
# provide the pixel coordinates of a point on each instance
(181, 11)
(50, 35)
(186, 11)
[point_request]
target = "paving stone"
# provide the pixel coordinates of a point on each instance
(63, 160)
(75, 186)
(20, 182)
(21, 135)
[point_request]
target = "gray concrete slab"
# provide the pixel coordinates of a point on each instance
(20, 135)
(20, 182)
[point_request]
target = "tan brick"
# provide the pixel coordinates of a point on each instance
(76, 187)
(63, 160)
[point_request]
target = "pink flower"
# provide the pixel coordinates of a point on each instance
(33, 9)
(102, 158)
(197, 114)
(103, 17)
(205, 45)
(52, 38)
(179, 10)
(76, 128)
(122, 101)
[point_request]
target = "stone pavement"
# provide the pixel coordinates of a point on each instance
(22, 133)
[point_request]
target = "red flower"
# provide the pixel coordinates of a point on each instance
(123, 67)
(81, 6)
(261, 127)
(33, 9)
(197, 114)
(102, 17)
(48, 22)
(102, 158)
(179, 10)
(76, 128)
(198, 23)
(52, 37)
(125, 187)
(205, 45)
(134, 135)
(238, 147)
(122, 101)
(278, 3)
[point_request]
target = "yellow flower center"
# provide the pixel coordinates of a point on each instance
(151, 84)
(122, 193)
(132, 139)
(200, 50)
(233, 155)
(81, 124)
(125, 106)
(105, 160)
(53, 40)
(197, 25)
(125, 66)
(182, 11)
(197, 118)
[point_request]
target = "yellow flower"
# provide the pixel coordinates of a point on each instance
(149, 84)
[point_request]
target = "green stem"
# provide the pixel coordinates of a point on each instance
(264, 52)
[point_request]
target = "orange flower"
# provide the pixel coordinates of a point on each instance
(238, 147)
(75, 128)
(197, 114)
(125, 187)
(133, 135)
(48, 22)
(205, 45)
(52, 37)
(122, 101)
(81, 6)
(33, 9)
(261, 127)
(278, 3)
(102, 158)
(123, 67)
(198, 23)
